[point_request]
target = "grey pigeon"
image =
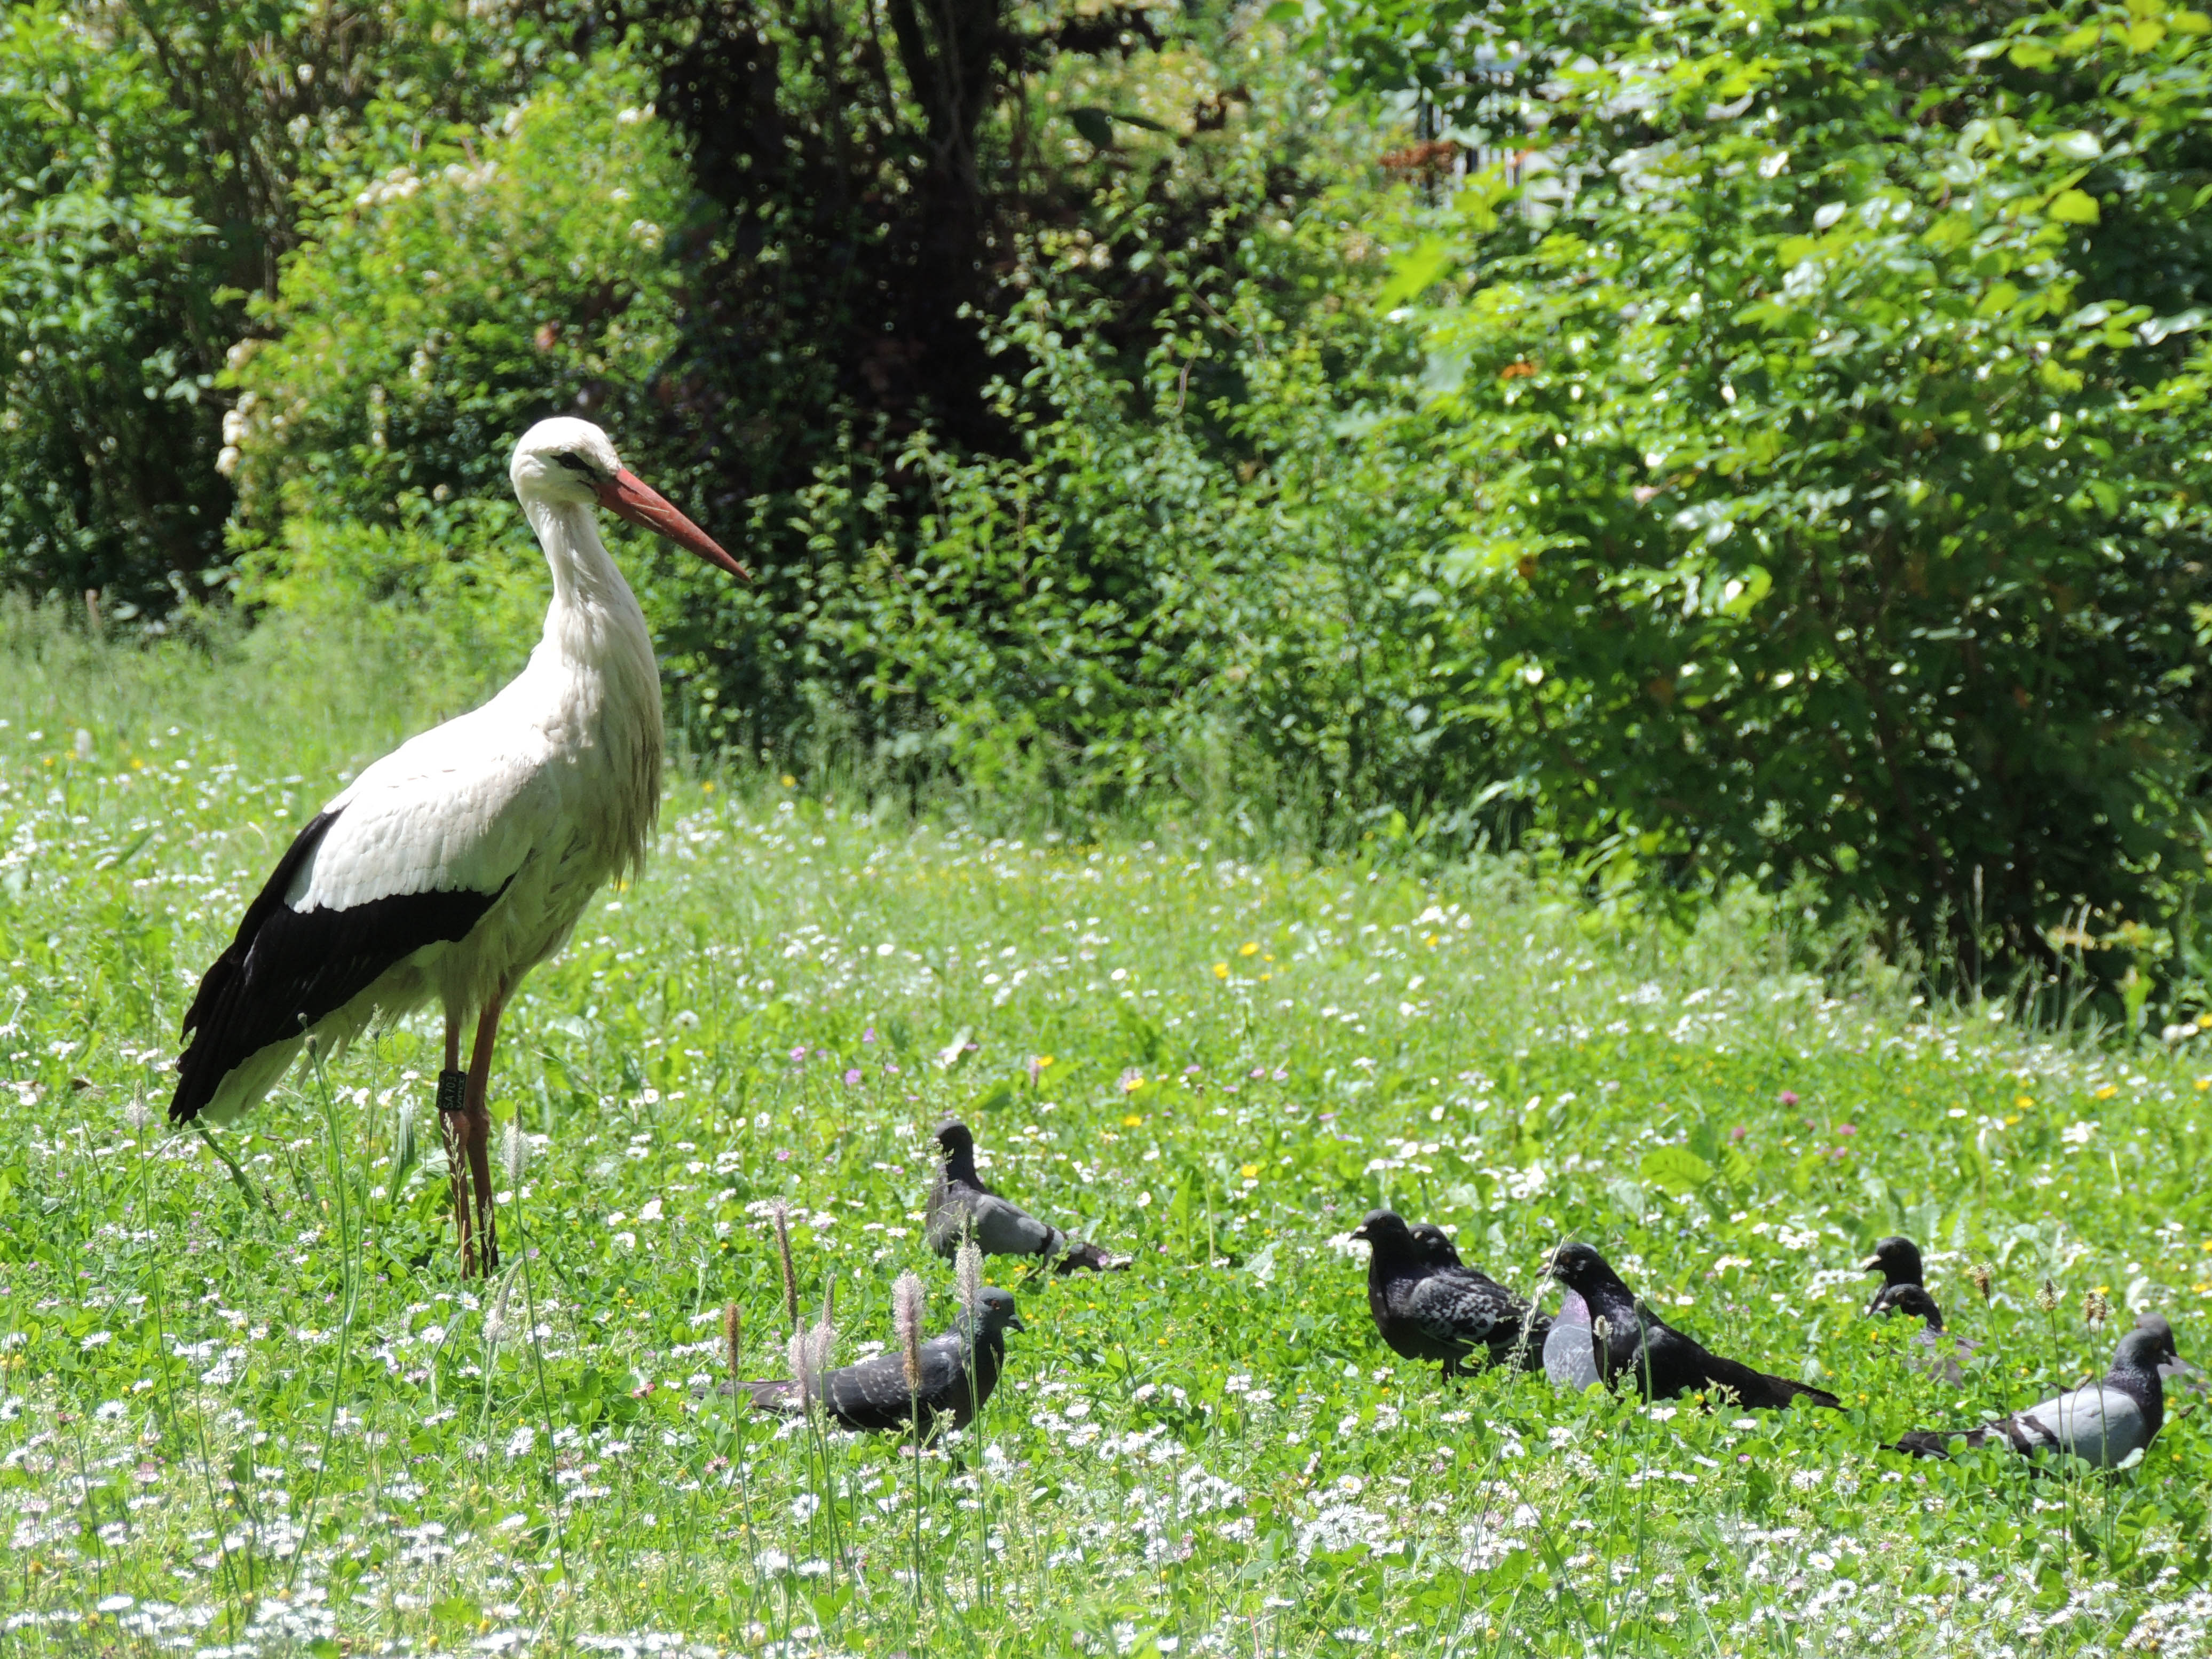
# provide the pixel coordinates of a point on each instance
(2101, 1423)
(1898, 1261)
(1660, 1361)
(1428, 1304)
(1569, 1360)
(873, 1395)
(961, 1205)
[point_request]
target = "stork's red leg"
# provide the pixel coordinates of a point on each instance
(479, 1123)
(452, 1128)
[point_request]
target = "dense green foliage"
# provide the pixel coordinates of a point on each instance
(1834, 379)
(447, 304)
(1739, 444)
(107, 321)
(742, 375)
(152, 159)
(283, 1427)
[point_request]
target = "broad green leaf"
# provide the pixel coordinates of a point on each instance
(2075, 207)
(1674, 1169)
(1412, 271)
(1754, 585)
(992, 1099)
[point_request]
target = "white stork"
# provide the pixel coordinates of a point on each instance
(455, 864)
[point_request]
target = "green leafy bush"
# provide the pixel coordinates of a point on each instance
(150, 161)
(880, 196)
(1842, 458)
(435, 313)
(1165, 600)
(106, 281)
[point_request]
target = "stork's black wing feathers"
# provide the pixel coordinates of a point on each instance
(285, 970)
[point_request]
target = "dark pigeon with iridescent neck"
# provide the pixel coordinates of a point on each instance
(1897, 1261)
(1657, 1360)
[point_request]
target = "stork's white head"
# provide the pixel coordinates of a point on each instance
(566, 462)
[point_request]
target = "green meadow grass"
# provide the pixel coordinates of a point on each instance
(282, 1424)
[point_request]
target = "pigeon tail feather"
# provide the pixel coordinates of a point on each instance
(1758, 1388)
(1092, 1259)
(1936, 1442)
(773, 1394)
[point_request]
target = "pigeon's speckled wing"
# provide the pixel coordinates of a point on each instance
(1448, 1307)
(873, 1395)
(1461, 1308)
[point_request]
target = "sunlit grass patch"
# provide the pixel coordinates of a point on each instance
(1210, 1451)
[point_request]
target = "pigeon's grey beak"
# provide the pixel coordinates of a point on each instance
(1014, 1322)
(1872, 1264)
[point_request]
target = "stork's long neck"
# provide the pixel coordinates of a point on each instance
(591, 603)
(596, 661)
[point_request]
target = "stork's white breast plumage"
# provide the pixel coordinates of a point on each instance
(457, 863)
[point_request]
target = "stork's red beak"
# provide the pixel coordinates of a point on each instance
(628, 496)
